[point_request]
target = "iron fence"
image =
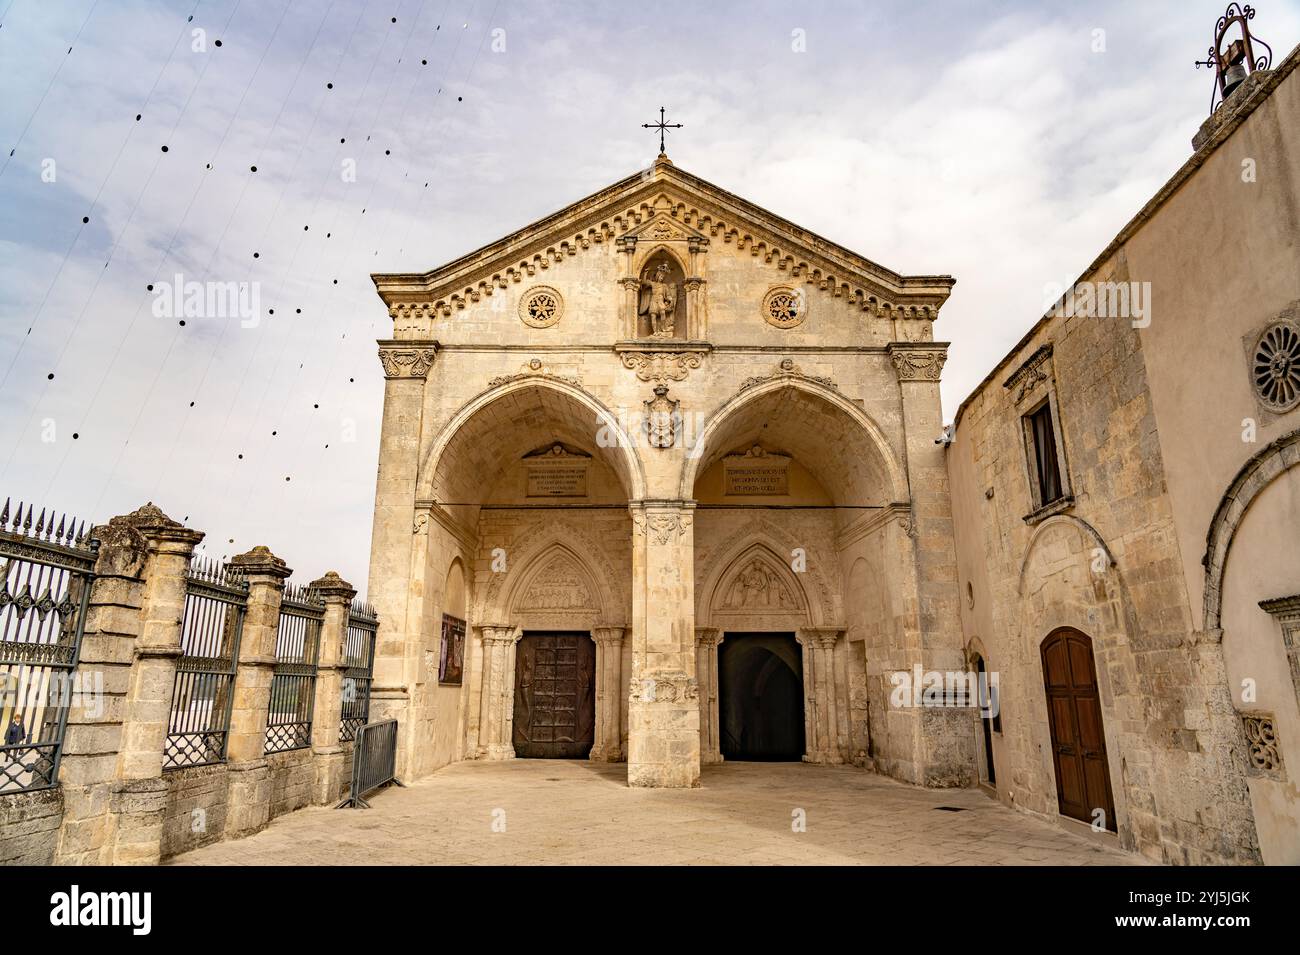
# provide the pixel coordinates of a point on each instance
(358, 669)
(215, 601)
(45, 576)
(293, 687)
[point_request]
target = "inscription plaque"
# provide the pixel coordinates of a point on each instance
(556, 472)
(757, 472)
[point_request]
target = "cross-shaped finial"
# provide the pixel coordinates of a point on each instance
(661, 126)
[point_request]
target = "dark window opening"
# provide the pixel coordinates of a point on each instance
(1047, 468)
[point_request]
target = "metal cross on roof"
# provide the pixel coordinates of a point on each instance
(661, 126)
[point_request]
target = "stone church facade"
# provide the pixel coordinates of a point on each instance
(657, 418)
(664, 480)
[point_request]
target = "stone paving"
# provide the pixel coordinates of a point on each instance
(573, 812)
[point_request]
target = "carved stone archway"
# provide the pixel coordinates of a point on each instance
(752, 589)
(561, 582)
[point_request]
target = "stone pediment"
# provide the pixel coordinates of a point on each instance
(662, 227)
(663, 203)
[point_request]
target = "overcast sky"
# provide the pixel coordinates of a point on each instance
(993, 141)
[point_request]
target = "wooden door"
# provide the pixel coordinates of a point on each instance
(1078, 740)
(555, 700)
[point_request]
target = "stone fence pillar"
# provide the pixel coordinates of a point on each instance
(111, 773)
(327, 708)
(248, 801)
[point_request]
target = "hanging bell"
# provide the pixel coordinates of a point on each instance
(1233, 77)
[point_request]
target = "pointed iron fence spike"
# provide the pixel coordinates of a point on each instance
(40, 523)
(58, 535)
(4, 515)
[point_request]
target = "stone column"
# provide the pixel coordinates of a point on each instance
(248, 796)
(943, 750)
(706, 666)
(111, 771)
(822, 705)
(608, 746)
(396, 594)
(327, 708)
(498, 698)
(631, 283)
(663, 703)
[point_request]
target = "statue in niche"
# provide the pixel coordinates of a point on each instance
(757, 586)
(658, 300)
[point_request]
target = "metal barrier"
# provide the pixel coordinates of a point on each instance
(374, 762)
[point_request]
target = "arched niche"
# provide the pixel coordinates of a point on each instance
(674, 275)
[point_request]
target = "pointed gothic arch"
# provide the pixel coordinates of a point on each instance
(763, 537)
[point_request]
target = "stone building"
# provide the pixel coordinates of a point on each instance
(1125, 494)
(672, 428)
(663, 478)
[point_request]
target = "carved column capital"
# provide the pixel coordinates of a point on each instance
(707, 636)
(917, 361)
(500, 634)
(821, 638)
(407, 359)
(608, 636)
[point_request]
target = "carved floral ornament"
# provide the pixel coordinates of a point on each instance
(1036, 369)
(661, 528)
(787, 369)
(1262, 748)
(661, 366)
(407, 361)
(535, 368)
(917, 364)
(664, 688)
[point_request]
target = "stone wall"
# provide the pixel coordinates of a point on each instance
(196, 808)
(29, 827)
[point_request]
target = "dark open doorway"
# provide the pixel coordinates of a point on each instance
(760, 697)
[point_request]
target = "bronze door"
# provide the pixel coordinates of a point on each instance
(1078, 740)
(555, 700)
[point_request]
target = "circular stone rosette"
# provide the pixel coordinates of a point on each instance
(541, 307)
(785, 307)
(1275, 367)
